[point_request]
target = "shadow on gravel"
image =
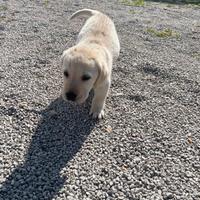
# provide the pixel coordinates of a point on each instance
(57, 138)
(155, 71)
(177, 1)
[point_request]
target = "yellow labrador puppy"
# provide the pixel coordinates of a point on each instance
(88, 64)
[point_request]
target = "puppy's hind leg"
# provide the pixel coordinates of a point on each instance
(98, 102)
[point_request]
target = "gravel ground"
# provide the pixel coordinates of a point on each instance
(147, 148)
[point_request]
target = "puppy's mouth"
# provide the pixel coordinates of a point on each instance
(78, 100)
(81, 99)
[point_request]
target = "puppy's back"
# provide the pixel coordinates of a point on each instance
(99, 28)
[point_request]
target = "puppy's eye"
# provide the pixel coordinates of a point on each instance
(86, 77)
(65, 73)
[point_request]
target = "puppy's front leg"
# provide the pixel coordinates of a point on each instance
(98, 102)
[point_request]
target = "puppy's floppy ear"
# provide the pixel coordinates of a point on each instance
(62, 58)
(65, 55)
(102, 73)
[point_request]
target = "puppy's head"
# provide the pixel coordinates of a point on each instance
(81, 72)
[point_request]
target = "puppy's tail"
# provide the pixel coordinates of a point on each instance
(87, 12)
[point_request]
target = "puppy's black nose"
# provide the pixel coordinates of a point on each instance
(71, 96)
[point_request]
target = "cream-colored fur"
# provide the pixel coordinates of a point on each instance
(93, 55)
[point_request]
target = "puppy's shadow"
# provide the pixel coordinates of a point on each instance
(56, 140)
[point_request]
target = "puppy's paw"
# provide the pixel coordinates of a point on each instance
(97, 114)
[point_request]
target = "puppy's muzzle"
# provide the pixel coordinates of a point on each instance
(71, 96)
